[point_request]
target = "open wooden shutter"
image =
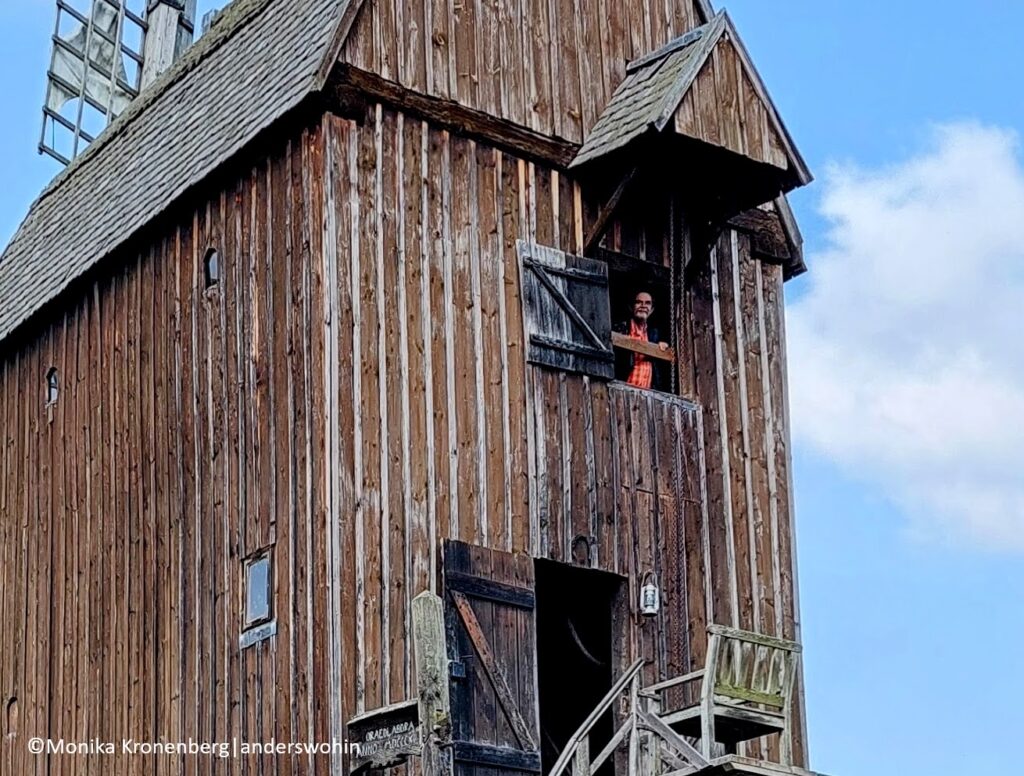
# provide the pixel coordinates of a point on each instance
(491, 636)
(567, 312)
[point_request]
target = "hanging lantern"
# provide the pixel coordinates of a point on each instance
(650, 597)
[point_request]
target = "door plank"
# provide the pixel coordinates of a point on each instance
(493, 670)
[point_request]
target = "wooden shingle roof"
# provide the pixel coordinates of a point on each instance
(258, 62)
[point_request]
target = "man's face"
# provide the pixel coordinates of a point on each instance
(643, 306)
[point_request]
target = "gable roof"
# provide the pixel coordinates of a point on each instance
(259, 61)
(656, 84)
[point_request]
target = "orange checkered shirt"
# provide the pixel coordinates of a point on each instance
(643, 369)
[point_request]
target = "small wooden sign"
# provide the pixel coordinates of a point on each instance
(385, 737)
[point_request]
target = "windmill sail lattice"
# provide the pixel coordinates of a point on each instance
(95, 71)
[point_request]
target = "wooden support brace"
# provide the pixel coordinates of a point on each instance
(673, 739)
(605, 216)
(611, 746)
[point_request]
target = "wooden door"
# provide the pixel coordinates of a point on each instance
(491, 636)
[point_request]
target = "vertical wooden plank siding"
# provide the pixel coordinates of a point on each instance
(723, 108)
(351, 392)
(787, 595)
(545, 64)
(126, 508)
(740, 384)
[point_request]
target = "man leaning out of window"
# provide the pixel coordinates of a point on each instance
(635, 368)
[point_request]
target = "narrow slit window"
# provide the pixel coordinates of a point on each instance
(11, 712)
(52, 386)
(211, 268)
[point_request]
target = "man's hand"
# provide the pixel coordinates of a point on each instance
(663, 346)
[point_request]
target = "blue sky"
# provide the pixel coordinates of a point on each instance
(907, 377)
(910, 523)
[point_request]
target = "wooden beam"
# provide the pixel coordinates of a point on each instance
(621, 262)
(584, 729)
(478, 587)
(649, 349)
(349, 89)
(605, 216)
(168, 35)
(746, 766)
(499, 757)
(338, 38)
(431, 655)
(611, 746)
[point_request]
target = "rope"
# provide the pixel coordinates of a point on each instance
(583, 649)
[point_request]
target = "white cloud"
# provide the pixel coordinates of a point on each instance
(907, 352)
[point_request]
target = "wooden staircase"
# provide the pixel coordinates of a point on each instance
(744, 692)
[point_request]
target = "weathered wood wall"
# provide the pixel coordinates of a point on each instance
(550, 65)
(723, 108)
(617, 487)
(352, 392)
(735, 322)
(429, 357)
(189, 432)
(426, 353)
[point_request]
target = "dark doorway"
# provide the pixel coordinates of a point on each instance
(576, 653)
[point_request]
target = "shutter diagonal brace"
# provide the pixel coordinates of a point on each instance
(605, 216)
(494, 672)
(538, 269)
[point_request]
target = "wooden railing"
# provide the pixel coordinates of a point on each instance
(680, 756)
(577, 749)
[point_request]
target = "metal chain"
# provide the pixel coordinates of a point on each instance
(673, 250)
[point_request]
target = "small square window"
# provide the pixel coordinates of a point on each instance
(257, 591)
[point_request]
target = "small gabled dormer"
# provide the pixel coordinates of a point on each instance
(698, 112)
(689, 148)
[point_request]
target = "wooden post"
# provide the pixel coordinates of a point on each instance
(707, 697)
(604, 218)
(791, 662)
(431, 657)
(651, 706)
(581, 761)
(634, 733)
(170, 30)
